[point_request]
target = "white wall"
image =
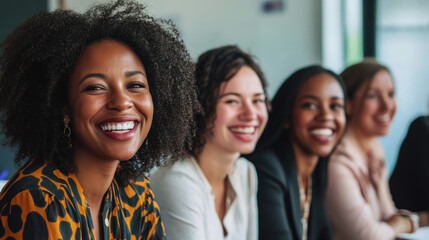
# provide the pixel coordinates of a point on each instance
(333, 33)
(282, 42)
(402, 44)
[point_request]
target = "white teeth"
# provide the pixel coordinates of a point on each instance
(243, 130)
(322, 132)
(118, 127)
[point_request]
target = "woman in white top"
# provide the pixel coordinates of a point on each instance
(212, 193)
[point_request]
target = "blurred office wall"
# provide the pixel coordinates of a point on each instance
(402, 40)
(285, 40)
(282, 40)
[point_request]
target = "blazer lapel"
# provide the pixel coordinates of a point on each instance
(285, 152)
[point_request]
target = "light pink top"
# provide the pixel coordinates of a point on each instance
(358, 199)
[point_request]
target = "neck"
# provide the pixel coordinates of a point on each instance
(366, 142)
(95, 175)
(216, 163)
(305, 164)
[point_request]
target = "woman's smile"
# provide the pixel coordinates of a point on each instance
(110, 102)
(119, 128)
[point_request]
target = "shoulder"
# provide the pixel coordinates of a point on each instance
(180, 184)
(27, 211)
(419, 128)
(346, 152)
(244, 174)
(245, 168)
(183, 172)
(421, 122)
(37, 178)
(266, 159)
(28, 206)
(271, 166)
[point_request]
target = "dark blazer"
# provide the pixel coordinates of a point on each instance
(278, 195)
(410, 178)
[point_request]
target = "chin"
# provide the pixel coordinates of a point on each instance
(123, 157)
(382, 134)
(324, 152)
(247, 150)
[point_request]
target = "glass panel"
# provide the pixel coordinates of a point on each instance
(402, 44)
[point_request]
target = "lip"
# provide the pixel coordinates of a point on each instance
(383, 120)
(323, 139)
(120, 136)
(245, 137)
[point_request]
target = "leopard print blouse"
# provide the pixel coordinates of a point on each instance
(41, 202)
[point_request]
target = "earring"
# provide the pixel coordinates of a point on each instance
(67, 130)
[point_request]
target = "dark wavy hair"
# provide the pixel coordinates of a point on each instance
(40, 55)
(214, 67)
(283, 101)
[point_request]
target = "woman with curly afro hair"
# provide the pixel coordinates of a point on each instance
(211, 194)
(91, 102)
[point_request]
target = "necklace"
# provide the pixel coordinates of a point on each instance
(305, 200)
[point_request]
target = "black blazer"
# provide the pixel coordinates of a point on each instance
(410, 178)
(278, 195)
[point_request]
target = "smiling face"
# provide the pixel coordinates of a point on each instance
(373, 107)
(318, 117)
(241, 113)
(109, 102)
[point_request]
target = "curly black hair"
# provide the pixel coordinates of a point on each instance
(37, 61)
(214, 67)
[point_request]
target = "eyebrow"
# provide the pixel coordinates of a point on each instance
(96, 75)
(238, 95)
(132, 73)
(317, 98)
(102, 76)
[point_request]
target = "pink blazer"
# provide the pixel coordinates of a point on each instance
(358, 200)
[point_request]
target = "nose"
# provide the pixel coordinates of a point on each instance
(387, 103)
(119, 100)
(325, 113)
(248, 111)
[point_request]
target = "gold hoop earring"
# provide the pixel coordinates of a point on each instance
(67, 130)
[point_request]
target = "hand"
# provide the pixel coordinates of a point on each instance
(402, 223)
(424, 218)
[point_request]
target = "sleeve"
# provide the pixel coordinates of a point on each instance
(273, 220)
(410, 174)
(34, 214)
(350, 215)
(252, 233)
(182, 211)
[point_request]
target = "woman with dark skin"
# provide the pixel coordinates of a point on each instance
(91, 102)
(306, 122)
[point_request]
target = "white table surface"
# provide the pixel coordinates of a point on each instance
(421, 234)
